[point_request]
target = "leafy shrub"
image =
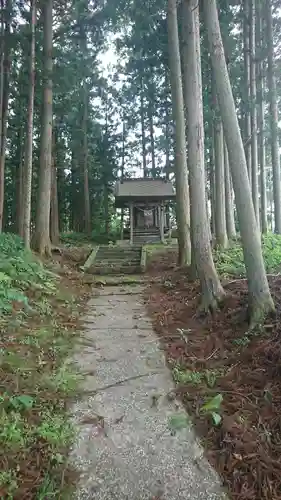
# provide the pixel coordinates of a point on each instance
(98, 237)
(230, 262)
(19, 271)
(73, 238)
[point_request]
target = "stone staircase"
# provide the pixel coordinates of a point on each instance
(117, 260)
(143, 236)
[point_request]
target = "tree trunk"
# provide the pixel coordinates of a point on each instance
(167, 144)
(260, 301)
(27, 170)
(229, 208)
(247, 92)
(181, 175)
(87, 207)
(122, 175)
(254, 124)
(2, 67)
(41, 237)
(213, 184)
(212, 291)
(220, 219)
(274, 140)
(152, 145)
(143, 138)
(4, 89)
(76, 195)
(19, 181)
(54, 214)
(261, 119)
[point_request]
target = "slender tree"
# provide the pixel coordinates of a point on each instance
(182, 189)
(260, 301)
(254, 124)
(41, 237)
(87, 207)
(274, 139)
(27, 170)
(261, 113)
(220, 219)
(4, 99)
(247, 89)
(212, 291)
(229, 206)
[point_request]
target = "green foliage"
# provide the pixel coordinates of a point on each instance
(55, 430)
(230, 262)
(98, 236)
(212, 408)
(19, 272)
(8, 481)
(208, 377)
(72, 238)
(179, 421)
(33, 371)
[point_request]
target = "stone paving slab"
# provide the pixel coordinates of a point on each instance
(126, 448)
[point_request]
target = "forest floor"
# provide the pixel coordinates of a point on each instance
(39, 322)
(228, 378)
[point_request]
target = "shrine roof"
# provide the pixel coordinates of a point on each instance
(144, 188)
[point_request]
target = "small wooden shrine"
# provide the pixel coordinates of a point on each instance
(148, 202)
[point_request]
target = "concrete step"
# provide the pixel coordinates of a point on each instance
(116, 260)
(120, 255)
(110, 263)
(100, 270)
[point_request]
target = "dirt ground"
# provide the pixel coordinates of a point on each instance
(244, 368)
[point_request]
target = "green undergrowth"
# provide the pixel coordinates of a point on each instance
(209, 407)
(96, 238)
(36, 338)
(230, 262)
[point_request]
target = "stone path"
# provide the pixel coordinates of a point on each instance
(127, 449)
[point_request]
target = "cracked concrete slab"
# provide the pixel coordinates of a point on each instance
(126, 448)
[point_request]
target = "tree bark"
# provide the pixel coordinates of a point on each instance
(27, 169)
(254, 123)
(54, 214)
(87, 207)
(4, 89)
(19, 180)
(143, 138)
(212, 291)
(229, 206)
(260, 301)
(220, 215)
(182, 188)
(247, 92)
(213, 184)
(261, 118)
(274, 140)
(2, 60)
(152, 145)
(41, 238)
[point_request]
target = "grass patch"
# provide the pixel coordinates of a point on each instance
(183, 376)
(230, 262)
(36, 337)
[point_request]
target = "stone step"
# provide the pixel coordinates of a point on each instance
(115, 270)
(104, 263)
(126, 253)
(116, 260)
